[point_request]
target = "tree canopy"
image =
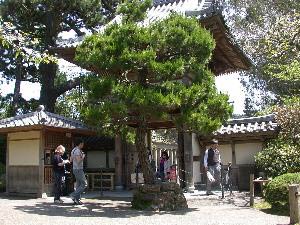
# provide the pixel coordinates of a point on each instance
(155, 72)
(43, 21)
(268, 30)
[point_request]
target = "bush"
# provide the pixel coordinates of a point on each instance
(281, 156)
(277, 191)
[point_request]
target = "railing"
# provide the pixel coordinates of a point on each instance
(100, 180)
(48, 175)
(252, 182)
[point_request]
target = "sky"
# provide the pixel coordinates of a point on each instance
(228, 83)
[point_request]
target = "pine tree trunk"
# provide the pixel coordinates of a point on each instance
(140, 144)
(47, 94)
(17, 89)
(180, 159)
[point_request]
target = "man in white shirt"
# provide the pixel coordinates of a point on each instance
(77, 157)
(212, 165)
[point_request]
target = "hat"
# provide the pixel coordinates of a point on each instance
(214, 141)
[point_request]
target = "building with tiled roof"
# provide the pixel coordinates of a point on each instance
(227, 56)
(40, 119)
(31, 140)
(248, 127)
(239, 141)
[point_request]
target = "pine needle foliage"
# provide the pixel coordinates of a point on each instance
(151, 72)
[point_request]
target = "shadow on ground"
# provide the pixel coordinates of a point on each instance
(92, 208)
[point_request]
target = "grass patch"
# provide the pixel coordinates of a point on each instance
(266, 207)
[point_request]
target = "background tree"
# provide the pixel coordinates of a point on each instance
(71, 103)
(282, 155)
(272, 30)
(16, 63)
(153, 73)
(44, 20)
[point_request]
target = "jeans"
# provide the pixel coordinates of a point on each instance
(215, 171)
(81, 183)
(58, 182)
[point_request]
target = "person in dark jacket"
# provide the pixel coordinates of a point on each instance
(59, 172)
(164, 166)
(212, 165)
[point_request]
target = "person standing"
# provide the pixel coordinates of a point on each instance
(212, 165)
(77, 157)
(59, 172)
(164, 166)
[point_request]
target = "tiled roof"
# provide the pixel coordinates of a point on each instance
(249, 125)
(162, 9)
(42, 117)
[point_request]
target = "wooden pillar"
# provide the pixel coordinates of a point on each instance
(294, 203)
(251, 189)
(233, 153)
(188, 161)
(7, 165)
(118, 163)
(41, 191)
(180, 159)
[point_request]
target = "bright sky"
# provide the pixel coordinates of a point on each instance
(228, 84)
(231, 85)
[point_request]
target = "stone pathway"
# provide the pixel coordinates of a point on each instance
(203, 210)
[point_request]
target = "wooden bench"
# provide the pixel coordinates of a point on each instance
(252, 182)
(94, 180)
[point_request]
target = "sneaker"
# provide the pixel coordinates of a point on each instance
(77, 202)
(73, 198)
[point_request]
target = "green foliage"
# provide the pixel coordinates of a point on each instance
(44, 19)
(70, 103)
(277, 192)
(151, 73)
(41, 21)
(279, 157)
(141, 66)
(131, 13)
(272, 31)
(288, 117)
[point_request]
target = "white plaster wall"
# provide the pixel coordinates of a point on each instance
(226, 153)
(195, 145)
(24, 135)
(196, 172)
(24, 152)
(245, 152)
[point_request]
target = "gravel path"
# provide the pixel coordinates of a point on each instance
(202, 210)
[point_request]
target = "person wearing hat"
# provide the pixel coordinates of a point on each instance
(212, 165)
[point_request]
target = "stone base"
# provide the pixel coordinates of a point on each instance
(164, 196)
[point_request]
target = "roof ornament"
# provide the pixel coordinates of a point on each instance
(41, 114)
(40, 108)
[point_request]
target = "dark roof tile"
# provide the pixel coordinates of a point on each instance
(42, 118)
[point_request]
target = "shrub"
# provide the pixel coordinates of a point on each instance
(277, 192)
(281, 156)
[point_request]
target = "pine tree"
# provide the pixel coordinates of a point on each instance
(43, 21)
(151, 73)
